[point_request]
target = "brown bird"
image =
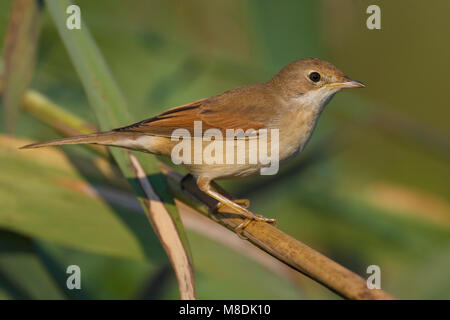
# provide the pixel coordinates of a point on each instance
(289, 104)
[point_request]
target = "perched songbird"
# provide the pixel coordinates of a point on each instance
(290, 104)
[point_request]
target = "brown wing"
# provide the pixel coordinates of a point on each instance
(211, 115)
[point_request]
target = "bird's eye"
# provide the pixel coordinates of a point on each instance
(314, 76)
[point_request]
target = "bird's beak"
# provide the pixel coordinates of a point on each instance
(347, 83)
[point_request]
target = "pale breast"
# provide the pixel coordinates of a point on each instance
(296, 131)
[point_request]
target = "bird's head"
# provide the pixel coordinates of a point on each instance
(311, 80)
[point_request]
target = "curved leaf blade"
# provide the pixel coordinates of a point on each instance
(111, 110)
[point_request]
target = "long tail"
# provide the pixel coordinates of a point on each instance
(104, 138)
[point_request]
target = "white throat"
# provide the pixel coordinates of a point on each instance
(306, 110)
(315, 99)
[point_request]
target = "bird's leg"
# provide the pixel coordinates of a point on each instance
(242, 202)
(213, 206)
(205, 186)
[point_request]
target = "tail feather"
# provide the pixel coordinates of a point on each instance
(104, 138)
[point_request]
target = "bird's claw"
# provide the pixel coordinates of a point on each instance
(241, 227)
(244, 203)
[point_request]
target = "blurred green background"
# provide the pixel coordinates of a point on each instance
(371, 188)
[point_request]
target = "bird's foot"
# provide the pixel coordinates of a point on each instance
(244, 203)
(257, 217)
(241, 206)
